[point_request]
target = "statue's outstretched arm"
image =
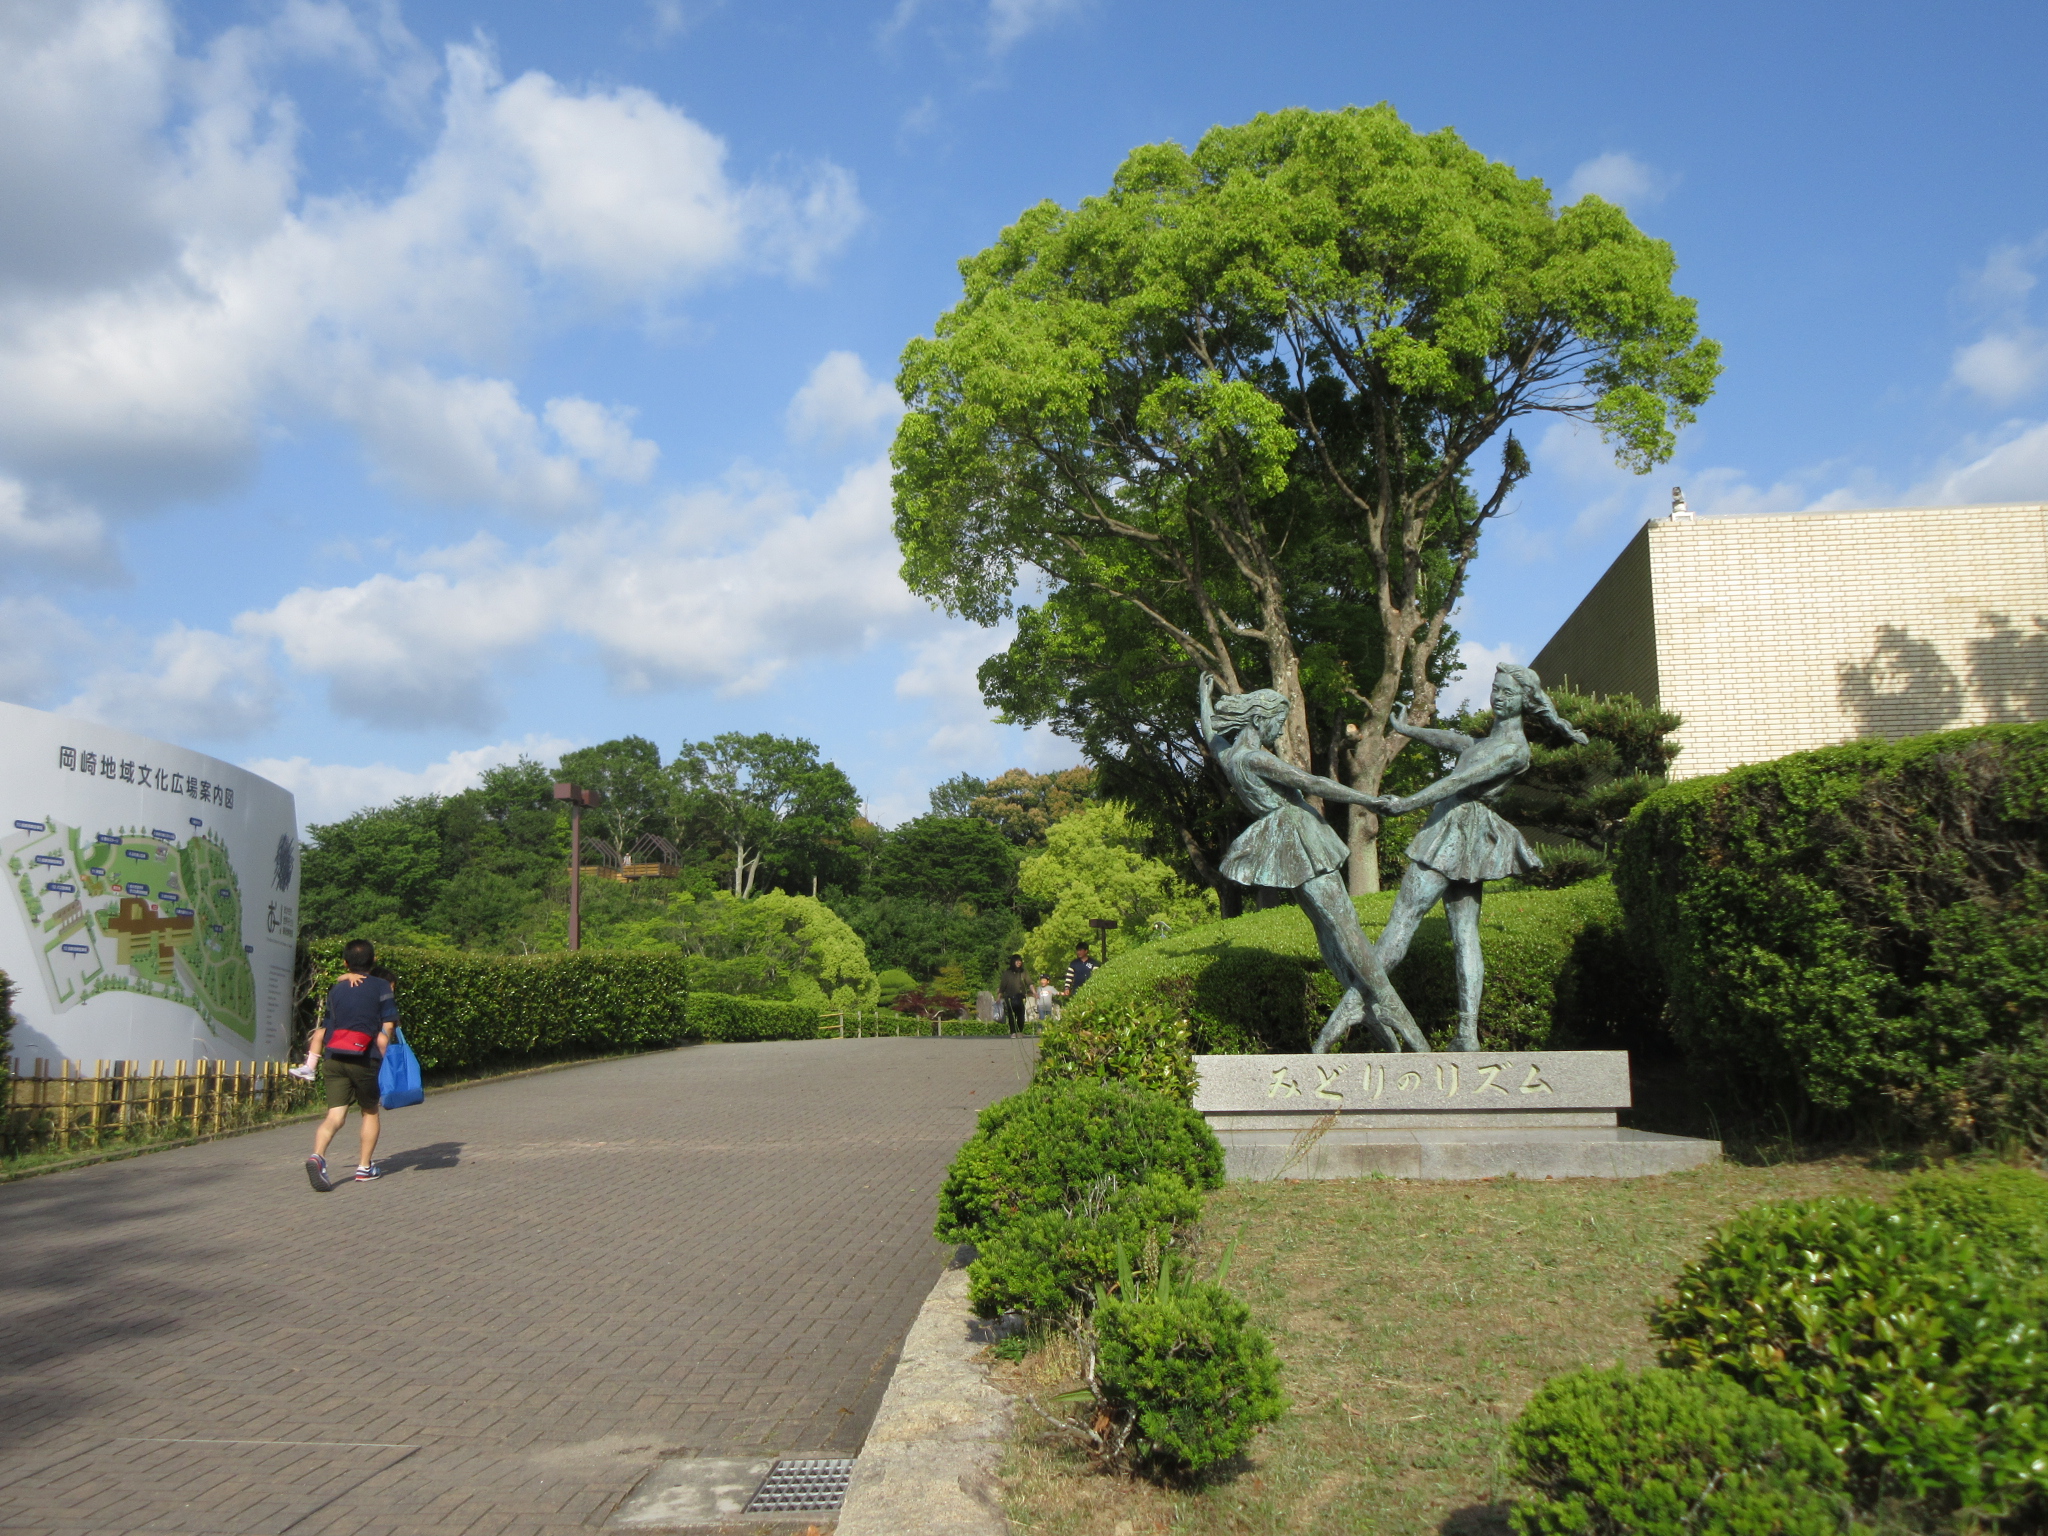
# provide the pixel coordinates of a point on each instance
(1443, 741)
(1276, 770)
(1476, 776)
(1203, 691)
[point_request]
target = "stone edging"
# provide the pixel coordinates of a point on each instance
(928, 1467)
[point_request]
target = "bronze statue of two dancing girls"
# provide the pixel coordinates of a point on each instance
(1463, 844)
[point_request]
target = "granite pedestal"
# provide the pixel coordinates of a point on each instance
(1444, 1115)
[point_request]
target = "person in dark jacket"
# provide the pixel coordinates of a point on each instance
(1014, 988)
(355, 1031)
(1082, 968)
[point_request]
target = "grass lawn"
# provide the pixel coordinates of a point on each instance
(1413, 1320)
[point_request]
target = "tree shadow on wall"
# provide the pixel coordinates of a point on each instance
(1906, 687)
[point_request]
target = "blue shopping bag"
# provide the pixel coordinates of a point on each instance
(398, 1080)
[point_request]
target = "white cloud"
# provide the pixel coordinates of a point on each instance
(43, 643)
(49, 531)
(603, 438)
(327, 792)
(2015, 469)
(675, 600)
(840, 400)
(196, 683)
(169, 290)
(2004, 365)
(1010, 21)
(2010, 360)
(1619, 178)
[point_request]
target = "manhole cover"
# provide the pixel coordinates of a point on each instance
(803, 1487)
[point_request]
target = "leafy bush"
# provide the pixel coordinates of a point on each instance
(1913, 1348)
(1051, 1262)
(2003, 1209)
(1558, 972)
(1669, 1453)
(1183, 1375)
(719, 1016)
(1045, 1149)
(1862, 926)
(463, 1010)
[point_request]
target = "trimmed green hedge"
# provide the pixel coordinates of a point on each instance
(463, 1010)
(721, 1016)
(1863, 928)
(1558, 973)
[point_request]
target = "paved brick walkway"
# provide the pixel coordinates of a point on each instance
(564, 1279)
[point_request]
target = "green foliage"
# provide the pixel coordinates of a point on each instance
(1186, 1372)
(717, 1016)
(774, 946)
(2002, 1209)
(1049, 1147)
(464, 1010)
(1023, 806)
(1557, 973)
(1052, 1262)
(948, 860)
(1092, 866)
(1912, 1346)
(1860, 928)
(632, 789)
(1145, 1045)
(1669, 1453)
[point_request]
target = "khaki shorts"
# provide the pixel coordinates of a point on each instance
(351, 1082)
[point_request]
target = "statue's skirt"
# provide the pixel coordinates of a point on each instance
(1472, 843)
(1285, 848)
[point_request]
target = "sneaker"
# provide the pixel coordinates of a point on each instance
(303, 1073)
(371, 1172)
(316, 1173)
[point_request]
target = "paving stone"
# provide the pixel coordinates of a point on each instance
(563, 1281)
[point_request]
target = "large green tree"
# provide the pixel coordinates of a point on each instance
(1307, 335)
(633, 793)
(771, 807)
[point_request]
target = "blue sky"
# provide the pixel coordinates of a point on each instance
(386, 390)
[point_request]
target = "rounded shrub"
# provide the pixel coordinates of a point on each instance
(1051, 1262)
(1047, 1148)
(1915, 1350)
(1558, 973)
(1185, 1373)
(1668, 1453)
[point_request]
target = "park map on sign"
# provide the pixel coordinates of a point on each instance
(139, 909)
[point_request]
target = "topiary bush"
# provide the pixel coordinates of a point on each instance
(1670, 1453)
(1046, 1149)
(1912, 1347)
(1558, 973)
(721, 1016)
(1183, 1376)
(464, 1010)
(1862, 929)
(1051, 1263)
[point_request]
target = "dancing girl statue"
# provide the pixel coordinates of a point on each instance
(1464, 843)
(1289, 847)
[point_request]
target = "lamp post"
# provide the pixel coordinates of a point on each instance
(579, 800)
(1102, 925)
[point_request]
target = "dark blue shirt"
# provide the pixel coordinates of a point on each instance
(368, 1006)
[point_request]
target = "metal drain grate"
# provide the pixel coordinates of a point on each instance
(803, 1487)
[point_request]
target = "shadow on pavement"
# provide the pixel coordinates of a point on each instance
(439, 1154)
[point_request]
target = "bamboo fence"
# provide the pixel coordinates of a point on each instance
(59, 1104)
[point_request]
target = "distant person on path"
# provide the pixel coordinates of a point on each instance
(1079, 972)
(1048, 1004)
(355, 1031)
(1014, 987)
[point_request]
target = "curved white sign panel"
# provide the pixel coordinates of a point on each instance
(152, 902)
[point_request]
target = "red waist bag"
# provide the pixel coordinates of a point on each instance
(350, 1042)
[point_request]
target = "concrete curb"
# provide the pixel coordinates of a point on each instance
(928, 1467)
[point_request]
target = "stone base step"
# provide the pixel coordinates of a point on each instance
(1456, 1152)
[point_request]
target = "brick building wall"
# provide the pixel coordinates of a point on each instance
(1779, 633)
